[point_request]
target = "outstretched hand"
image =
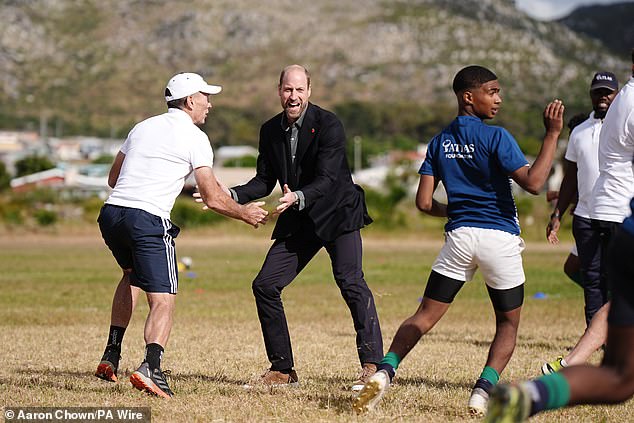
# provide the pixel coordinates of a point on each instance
(199, 199)
(554, 116)
(255, 215)
(288, 199)
(552, 229)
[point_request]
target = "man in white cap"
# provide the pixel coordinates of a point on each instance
(147, 175)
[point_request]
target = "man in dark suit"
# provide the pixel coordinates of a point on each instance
(303, 149)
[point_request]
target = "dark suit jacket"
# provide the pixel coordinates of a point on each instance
(333, 204)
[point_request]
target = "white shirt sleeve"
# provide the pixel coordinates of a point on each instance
(629, 128)
(126, 145)
(571, 150)
(201, 153)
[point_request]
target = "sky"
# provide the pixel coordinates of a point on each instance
(555, 9)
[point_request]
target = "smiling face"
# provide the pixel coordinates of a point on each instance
(601, 100)
(294, 91)
(485, 100)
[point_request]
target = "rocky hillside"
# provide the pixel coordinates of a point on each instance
(98, 65)
(611, 24)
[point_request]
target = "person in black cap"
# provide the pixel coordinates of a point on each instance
(613, 381)
(581, 174)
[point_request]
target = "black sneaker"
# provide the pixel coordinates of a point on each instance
(107, 368)
(151, 381)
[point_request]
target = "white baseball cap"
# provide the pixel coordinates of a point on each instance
(183, 84)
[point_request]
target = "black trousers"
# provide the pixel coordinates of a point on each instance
(592, 238)
(286, 258)
(621, 269)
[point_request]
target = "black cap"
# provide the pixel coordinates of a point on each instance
(604, 80)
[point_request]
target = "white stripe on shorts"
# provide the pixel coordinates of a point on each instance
(170, 254)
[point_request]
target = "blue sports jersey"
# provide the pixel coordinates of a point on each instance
(474, 160)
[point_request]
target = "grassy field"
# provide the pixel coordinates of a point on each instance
(54, 315)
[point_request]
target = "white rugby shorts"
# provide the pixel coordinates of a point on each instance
(498, 254)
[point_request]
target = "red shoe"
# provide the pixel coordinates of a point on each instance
(107, 368)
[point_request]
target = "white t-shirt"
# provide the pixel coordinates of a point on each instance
(583, 149)
(160, 152)
(615, 186)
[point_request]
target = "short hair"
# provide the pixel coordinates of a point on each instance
(472, 77)
(178, 103)
(287, 68)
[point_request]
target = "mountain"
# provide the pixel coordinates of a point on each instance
(611, 24)
(96, 66)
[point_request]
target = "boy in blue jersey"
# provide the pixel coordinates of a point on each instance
(475, 163)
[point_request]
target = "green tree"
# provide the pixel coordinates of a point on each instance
(32, 164)
(104, 159)
(5, 177)
(383, 205)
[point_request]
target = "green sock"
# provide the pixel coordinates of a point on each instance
(558, 390)
(490, 374)
(392, 359)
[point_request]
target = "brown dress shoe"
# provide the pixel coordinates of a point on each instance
(364, 375)
(275, 379)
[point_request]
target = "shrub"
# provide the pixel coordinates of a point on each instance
(32, 164)
(11, 213)
(244, 161)
(188, 214)
(104, 159)
(45, 217)
(5, 177)
(91, 207)
(382, 207)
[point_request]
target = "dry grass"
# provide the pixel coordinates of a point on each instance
(54, 313)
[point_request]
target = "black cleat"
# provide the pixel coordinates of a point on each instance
(107, 368)
(151, 381)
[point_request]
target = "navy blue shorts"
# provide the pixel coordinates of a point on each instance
(144, 243)
(620, 263)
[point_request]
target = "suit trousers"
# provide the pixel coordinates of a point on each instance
(592, 238)
(286, 258)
